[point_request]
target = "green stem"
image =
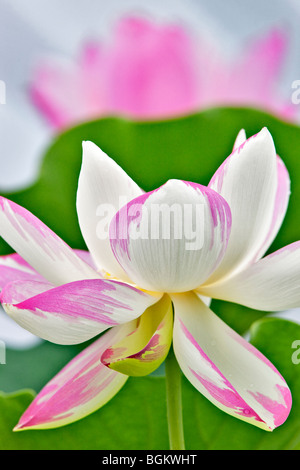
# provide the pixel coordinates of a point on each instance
(174, 403)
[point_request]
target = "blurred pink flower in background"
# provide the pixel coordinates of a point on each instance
(153, 71)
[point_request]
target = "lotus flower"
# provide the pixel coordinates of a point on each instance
(154, 261)
(151, 71)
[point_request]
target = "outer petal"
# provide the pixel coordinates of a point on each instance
(280, 206)
(152, 70)
(173, 238)
(248, 181)
(40, 247)
(225, 368)
(15, 268)
(74, 312)
(102, 189)
(145, 348)
(82, 387)
(271, 284)
(86, 257)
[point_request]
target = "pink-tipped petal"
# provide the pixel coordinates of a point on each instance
(102, 189)
(247, 180)
(74, 312)
(83, 386)
(87, 258)
(270, 284)
(173, 238)
(15, 268)
(225, 368)
(283, 192)
(48, 254)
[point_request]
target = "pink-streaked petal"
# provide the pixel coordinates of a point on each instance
(19, 291)
(87, 258)
(83, 386)
(173, 238)
(74, 312)
(15, 268)
(102, 189)
(247, 180)
(225, 368)
(144, 348)
(48, 254)
(270, 284)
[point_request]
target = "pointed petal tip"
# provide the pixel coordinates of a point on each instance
(266, 134)
(279, 411)
(240, 139)
(17, 428)
(88, 142)
(4, 200)
(20, 427)
(263, 135)
(89, 146)
(29, 423)
(242, 132)
(92, 152)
